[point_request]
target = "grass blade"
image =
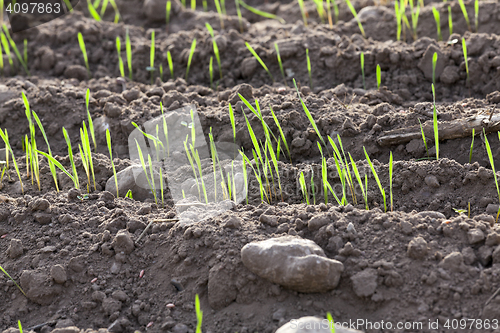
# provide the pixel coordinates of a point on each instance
(10, 277)
(250, 48)
(191, 52)
(261, 13)
(374, 172)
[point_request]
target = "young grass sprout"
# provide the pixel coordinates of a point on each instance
(84, 52)
(250, 48)
(492, 162)
(450, 20)
(215, 47)
(303, 11)
(309, 69)
(108, 140)
(261, 13)
(151, 67)
(476, 14)
(437, 18)
(471, 145)
(362, 60)
(435, 122)
(120, 60)
(280, 63)
(464, 11)
(434, 61)
(190, 58)
(464, 47)
(382, 191)
(379, 77)
(128, 50)
(170, 64)
(353, 11)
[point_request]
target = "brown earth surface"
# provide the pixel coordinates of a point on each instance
(87, 261)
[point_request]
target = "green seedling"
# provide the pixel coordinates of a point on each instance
(280, 63)
(362, 60)
(1, 57)
(308, 114)
(14, 48)
(437, 18)
(25, 51)
(364, 191)
(329, 14)
(160, 68)
(435, 123)
(233, 122)
(199, 314)
(303, 187)
(282, 134)
(7, 274)
(5, 138)
(219, 11)
(464, 11)
(391, 162)
(250, 48)
(379, 77)
(91, 123)
(238, 12)
(183, 3)
(115, 8)
(320, 10)
(57, 164)
(215, 47)
(143, 164)
(193, 4)
(211, 71)
(331, 323)
(170, 64)
(459, 211)
(353, 11)
(261, 13)
(86, 155)
(468, 209)
(34, 161)
(151, 67)
(464, 47)
(128, 50)
(6, 47)
(108, 140)
(76, 182)
(168, 9)
(471, 145)
(450, 20)
(84, 52)
(398, 16)
(51, 165)
(20, 326)
(92, 11)
(415, 12)
(303, 11)
(434, 62)
(223, 6)
(205, 5)
(1, 10)
(191, 52)
(492, 163)
(165, 130)
(476, 14)
(120, 60)
(129, 194)
(382, 191)
(309, 69)
(423, 137)
(313, 190)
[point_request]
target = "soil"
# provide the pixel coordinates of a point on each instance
(88, 260)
